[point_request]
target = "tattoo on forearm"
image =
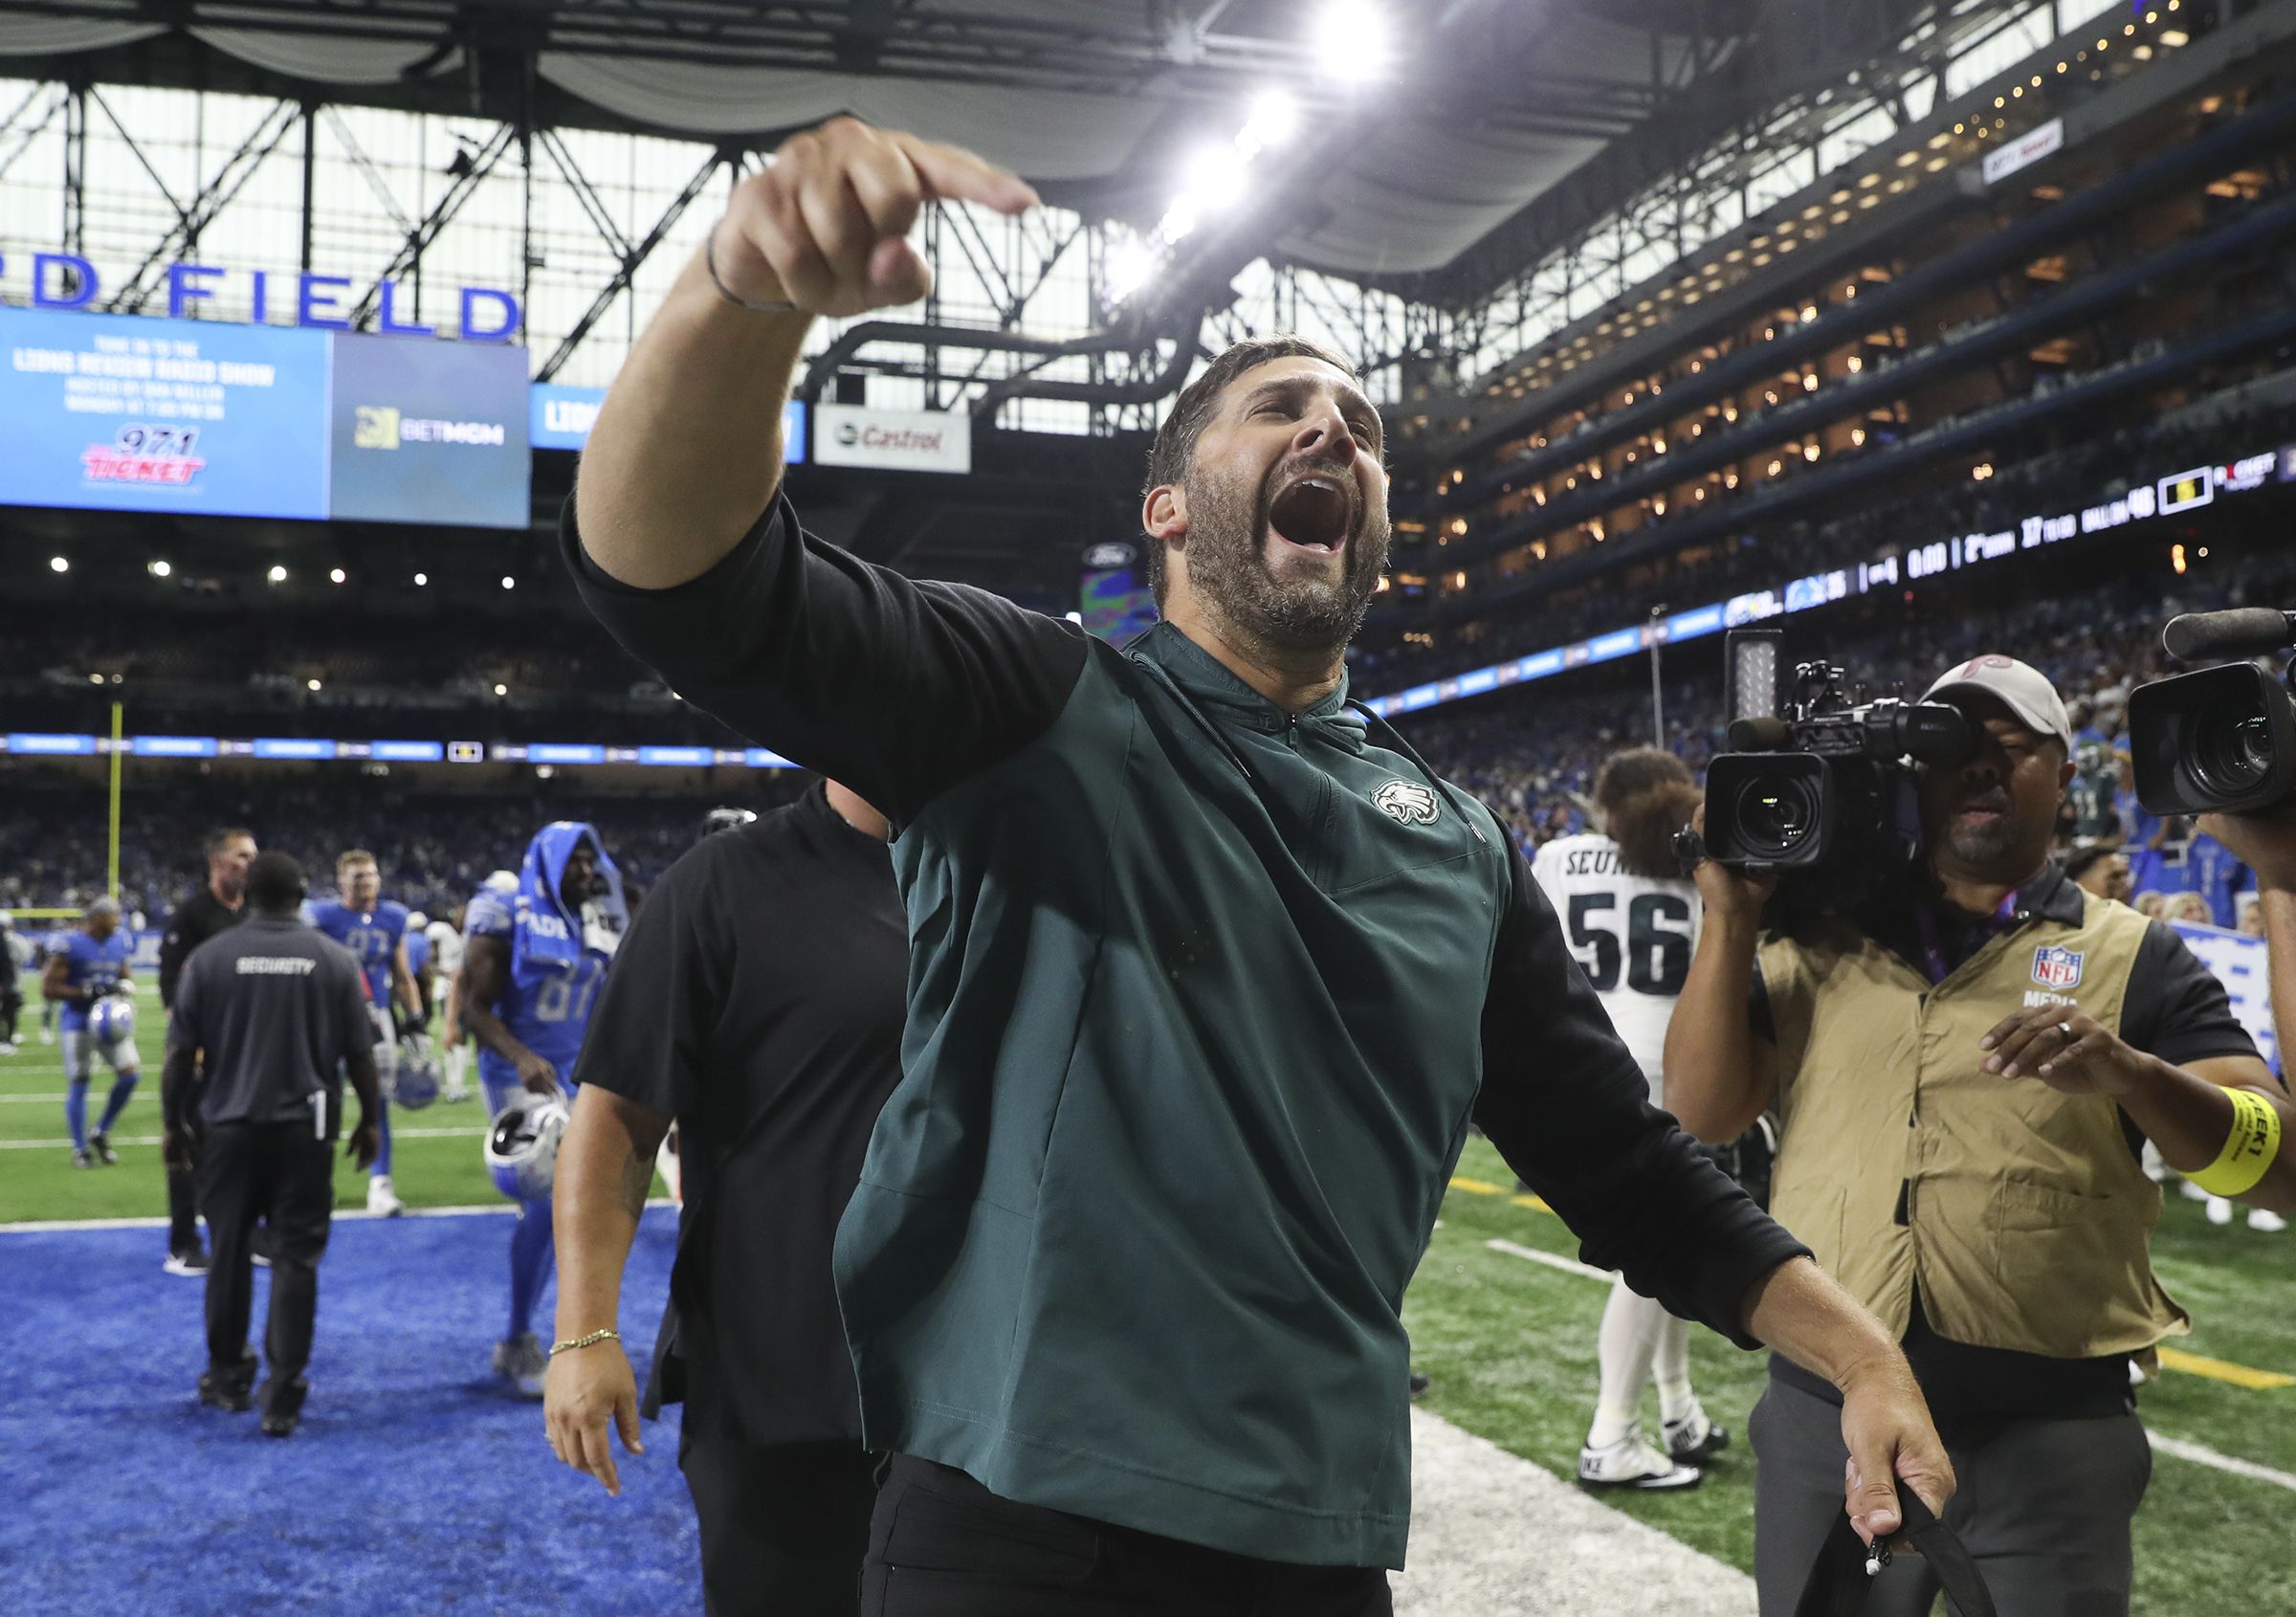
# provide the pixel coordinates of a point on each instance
(637, 1177)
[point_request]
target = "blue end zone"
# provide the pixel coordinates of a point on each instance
(415, 1486)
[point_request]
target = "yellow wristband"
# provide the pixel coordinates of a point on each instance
(2248, 1150)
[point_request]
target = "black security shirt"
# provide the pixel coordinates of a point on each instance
(759, 998)
(196, 920)
(274, 1009)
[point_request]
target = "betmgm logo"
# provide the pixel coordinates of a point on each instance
(384, 427)
(1407, 801)
(375, 426)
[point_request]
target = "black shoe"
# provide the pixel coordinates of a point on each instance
(1419, 1383)
(258, 1246)
(232, 1390)
(283, 1406)
(100, 1147)
(84, 1158)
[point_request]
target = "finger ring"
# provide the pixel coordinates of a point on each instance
(2064, 1031)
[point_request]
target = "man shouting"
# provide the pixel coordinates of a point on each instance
(1210, 971)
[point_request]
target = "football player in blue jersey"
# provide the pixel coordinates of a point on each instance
(532, 964)
(87, 975)
(374, 929)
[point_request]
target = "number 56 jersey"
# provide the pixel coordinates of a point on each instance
(1632, 936)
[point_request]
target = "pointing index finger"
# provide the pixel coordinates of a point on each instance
(956, 174)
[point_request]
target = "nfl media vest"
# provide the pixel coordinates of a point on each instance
(2025, 1217)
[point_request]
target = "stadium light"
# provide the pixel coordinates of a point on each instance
(310, 684)
(1130, 264)
(509, 583)
(501, 690)
(336, 575)
(1275, 120)
(158, 570)
(1351, 39)
(421, 579)
(277, 575)
(57, 564)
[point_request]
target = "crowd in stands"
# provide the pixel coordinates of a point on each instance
(2077, 469)
(433, 848)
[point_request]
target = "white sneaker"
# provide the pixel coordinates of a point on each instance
(1634, 1462)
(1694, 1437)
(8, 1047)
(47, 1037)
(2265, 1222)
(382, 1201)
(2220, 1210)
(454, 1093)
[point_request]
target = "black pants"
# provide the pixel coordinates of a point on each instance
(782, 1525)
(941, 1545)
(182, 1212)
(2044, 1507)
(279, 1173)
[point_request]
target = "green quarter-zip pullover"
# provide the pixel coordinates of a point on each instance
(1202, 997)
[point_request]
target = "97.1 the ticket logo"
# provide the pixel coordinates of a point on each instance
(154, 456)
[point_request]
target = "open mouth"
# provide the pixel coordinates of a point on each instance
(1312, 512)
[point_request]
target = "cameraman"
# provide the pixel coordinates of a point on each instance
(1966, 1067)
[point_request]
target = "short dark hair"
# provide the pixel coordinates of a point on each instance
(274, 882)
(224, 837)
(2082, 860)
(1192, 412)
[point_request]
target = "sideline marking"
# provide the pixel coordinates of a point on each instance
(65, 1225)
(2202, 1455)
(2222, 1370)
(1484, 1187)
(397, 1133)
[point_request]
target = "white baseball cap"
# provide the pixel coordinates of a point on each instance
(2018, 686)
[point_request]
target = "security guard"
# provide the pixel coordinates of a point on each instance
(758, 1001)
(1966, 1070)
(263, 1013)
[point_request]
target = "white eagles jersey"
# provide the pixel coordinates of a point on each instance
(1632, 936)
(446, 948)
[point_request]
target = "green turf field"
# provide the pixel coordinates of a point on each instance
(1509, 1343)
(436, 1152)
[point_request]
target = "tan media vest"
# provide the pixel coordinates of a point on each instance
(2028, 1220)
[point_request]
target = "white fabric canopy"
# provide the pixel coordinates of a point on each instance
(1045, 135)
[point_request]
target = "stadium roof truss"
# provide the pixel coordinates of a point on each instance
(572, 150)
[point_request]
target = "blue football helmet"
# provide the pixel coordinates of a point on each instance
(112, 1020)
(415, 1083)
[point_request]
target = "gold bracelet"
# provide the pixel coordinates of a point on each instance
(754, 306)
(609, 1334)
(2249, 1149)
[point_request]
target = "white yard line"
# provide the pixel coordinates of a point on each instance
(1553, 1260)
(2202, 1455)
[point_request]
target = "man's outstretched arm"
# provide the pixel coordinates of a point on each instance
(687, 449)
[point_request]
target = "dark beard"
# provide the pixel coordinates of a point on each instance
(1227, 569)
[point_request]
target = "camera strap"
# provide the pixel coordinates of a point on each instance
(1839, 1582)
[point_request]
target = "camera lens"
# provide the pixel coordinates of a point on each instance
(2231, 751)
(1775, 816)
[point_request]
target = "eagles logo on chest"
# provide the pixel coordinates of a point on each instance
(1409, 802)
